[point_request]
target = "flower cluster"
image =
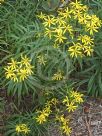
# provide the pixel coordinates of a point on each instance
(64, 124)
(73, 22)
(44, 114)
(55, 107)
(18, 71)
(22, 128)
(72, 101)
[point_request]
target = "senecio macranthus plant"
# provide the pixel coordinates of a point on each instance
(72, 26)
(42, 116)
(18, 71)
(18, 74)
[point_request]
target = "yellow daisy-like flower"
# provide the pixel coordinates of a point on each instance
(41, 16)
(77, 97)
(9, 72)
(78, 14)
(66, 100)
(75, 50)
(41, 118)
(71, 106)
(66, 129)
(13, 64)
(22, 128)
(84, 18)
(67, 13)
(88, 50)
(68, 28)
(59, 30)
(91, 28)
(60, 38)
(95, 20)
(60, 21)
(48, 21)
(23, 74)
(64, 124)
(86, 40)
(57, 76)
(25, 61)
(76, 5)
(44, 114)
(48, 32)
(54, 101)
(14, 78)
(41, 60)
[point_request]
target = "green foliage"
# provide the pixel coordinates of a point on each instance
(27, 119)
(50, 5)
(55, 72)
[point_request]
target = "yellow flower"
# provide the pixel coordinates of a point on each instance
(23, 74)
(13, 64)
(60, 21)
(86, 40)
(84, 8)
(88, 50)
(84, 18)
(25, 61)
(41, 119)
(48, 21)
(18, 129)
(47, 109)
(66, 129)
(71, 106)
(77, 14)
(75, 50)
(29, 69)
(68, 28)
(64, 124)
(48, 32)
(44, 114)
(14, 78)
(58, 30)
(41, 16)
(60, 38)
(67, 13)
(91, 28)
(66, 100)
(76, 5)
(22, 128)
(54, 101)
(9, 72)
(95, 20)
(57, 76)
(41, 60)
(60, 12)
(77, 97)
